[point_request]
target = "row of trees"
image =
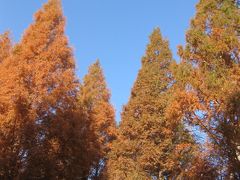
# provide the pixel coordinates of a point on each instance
(54, 127)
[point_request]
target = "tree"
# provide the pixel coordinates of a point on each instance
(41, 93)
(95, 97)
(208, 74)
(148, 141)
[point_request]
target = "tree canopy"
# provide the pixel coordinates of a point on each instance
(182, 120)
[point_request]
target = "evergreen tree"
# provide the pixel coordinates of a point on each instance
(95, 97)
(209, 73)
(148, 141)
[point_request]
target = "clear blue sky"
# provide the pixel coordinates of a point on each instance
(115, 31)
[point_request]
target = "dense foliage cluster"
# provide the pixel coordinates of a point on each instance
(52, 126)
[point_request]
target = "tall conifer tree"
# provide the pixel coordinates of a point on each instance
(95, 97)
(147, 140)
(41, 90)
(210, 79)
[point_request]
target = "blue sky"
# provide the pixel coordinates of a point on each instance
(115, 31)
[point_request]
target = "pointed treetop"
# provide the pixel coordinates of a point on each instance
(155, 67)
(96, 66)
(214, 34)
(48, 21)
(97, 62)
(157, 49)
(51, 8)
(95, 83)
(156, 34)
(47, 33)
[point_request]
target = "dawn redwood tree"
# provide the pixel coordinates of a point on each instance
(209, 76)
(40, 118)
(149, 145)
(95, 98)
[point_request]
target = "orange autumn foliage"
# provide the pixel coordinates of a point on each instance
(53, 127)
(95, 98)
(147, 139)
(210, 67)
(39, 88)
